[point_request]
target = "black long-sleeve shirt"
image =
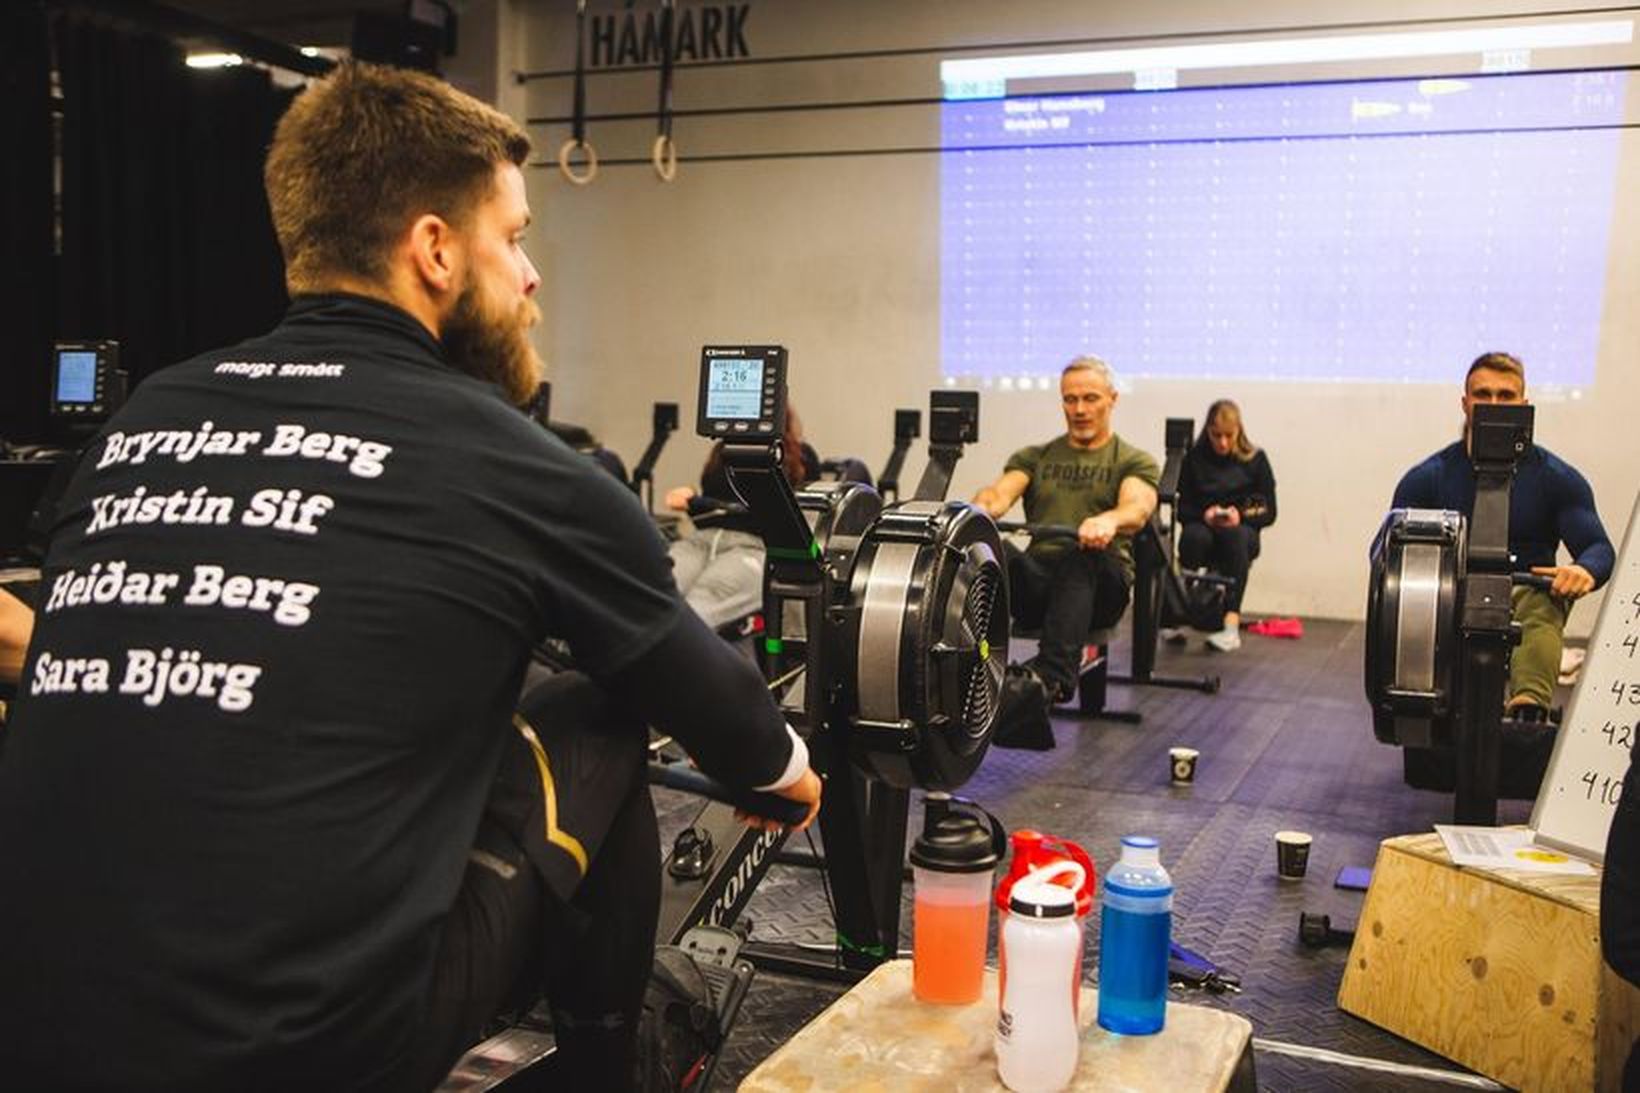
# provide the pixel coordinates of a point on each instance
(282, 627)
(1208, 479)
(1549, 503)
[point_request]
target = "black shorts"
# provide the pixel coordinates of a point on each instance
(560, 792)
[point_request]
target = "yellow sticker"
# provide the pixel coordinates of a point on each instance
(1547, 856)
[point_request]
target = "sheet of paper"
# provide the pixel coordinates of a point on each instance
(1506, 848)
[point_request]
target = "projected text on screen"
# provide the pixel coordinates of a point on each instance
(1371, 231)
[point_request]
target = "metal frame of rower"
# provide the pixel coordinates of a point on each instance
(1499, 436)
(1436, 573)
(725, 860)
(1153, 563)
(801, 578)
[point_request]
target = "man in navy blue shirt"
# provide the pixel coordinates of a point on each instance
(1550, 503)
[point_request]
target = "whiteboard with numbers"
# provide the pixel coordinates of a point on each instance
(1585, 777)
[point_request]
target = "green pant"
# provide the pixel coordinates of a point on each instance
(1535, 662)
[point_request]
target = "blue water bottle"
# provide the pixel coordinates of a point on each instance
(1134, 925)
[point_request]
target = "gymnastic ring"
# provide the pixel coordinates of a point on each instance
(566, 149)
(664, 155)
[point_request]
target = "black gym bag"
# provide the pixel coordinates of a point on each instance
(1194, 600)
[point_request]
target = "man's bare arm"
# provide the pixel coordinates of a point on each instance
(1000, 496)
(1135, 501)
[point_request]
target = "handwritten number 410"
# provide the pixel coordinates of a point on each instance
(1606, 789)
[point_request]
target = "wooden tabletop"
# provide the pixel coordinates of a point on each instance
(879, 1037)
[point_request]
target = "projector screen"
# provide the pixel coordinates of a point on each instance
(1381, 230)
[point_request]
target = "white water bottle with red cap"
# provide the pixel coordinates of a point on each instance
(1037, 1039)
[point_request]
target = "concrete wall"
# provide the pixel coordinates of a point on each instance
(838, 259)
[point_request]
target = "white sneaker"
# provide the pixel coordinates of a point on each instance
(1173, 635)
(1227, 640)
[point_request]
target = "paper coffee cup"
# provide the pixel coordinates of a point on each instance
(1292, 854)
(1182, 762)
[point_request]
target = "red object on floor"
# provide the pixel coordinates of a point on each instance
(1277, 628)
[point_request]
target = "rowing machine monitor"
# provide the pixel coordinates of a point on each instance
(953, 421)
(1178, 434)
(907, 424)
(953, 417)
(742, 393)
(87, 385)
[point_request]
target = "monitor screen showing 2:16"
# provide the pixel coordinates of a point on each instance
(735, 389)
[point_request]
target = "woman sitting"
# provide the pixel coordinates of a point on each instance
(1227, 495)
(719, 569)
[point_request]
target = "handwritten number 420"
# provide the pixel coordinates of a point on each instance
(1619, 736)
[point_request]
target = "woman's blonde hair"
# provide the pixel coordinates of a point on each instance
(1227, 414)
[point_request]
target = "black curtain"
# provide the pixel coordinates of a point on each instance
(26, 219)
(167, 245)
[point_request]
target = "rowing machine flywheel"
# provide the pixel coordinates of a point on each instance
(1413, 602)
(928, 607)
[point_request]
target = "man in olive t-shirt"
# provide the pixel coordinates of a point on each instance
(1091, 480)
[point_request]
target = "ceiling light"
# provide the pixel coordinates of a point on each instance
(214, 60)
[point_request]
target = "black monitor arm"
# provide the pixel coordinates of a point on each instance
(889, 481)
(643, 475)
(907, 427)
(1499, 437)
(936, 478)
(1176, 440)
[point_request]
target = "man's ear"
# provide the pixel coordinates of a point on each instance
(434, 253)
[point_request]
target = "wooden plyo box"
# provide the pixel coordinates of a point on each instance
(1499, 971)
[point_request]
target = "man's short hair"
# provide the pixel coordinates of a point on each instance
(362, 153)
(1497, 362)
(1090, 363)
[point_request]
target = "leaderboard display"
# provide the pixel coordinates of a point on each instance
(1381, 230)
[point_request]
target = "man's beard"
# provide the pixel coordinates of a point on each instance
(489, 344)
